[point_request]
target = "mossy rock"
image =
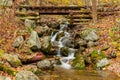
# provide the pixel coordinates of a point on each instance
(96, 56)
(60, 35)
(78, 62)
(65, 51)
(6, 69)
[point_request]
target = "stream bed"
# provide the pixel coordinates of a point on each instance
(70, 74)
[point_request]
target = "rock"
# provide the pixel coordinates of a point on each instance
(26, 75)
(5, 78)
(43, 30)
(64, 51)
(29, 23)
(18, 41)
(101, 63)
(33, 41)
(45, 42)
(6, 2)
(89, 35)
(31, 67)
(97, 55)
(66, 41)
(31, 58)
(44, 64)
(91, 44)
(12, 59)
(80, 43)
(78, 62)
(4, 67)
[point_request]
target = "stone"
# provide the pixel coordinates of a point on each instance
(101, 63)
(44, 64)
(45, 42)
(78, 62)
(42, 30)
(30, 24)
(12, 59)
(80, 43)
(18, 41)
(89, 35)
(91, 44)
(26, 75)
(6, 2)
(33, 41)
(31, 67)
(31, 58)
(5, 78)
(66, 41)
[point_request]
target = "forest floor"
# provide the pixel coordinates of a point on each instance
(108, 29)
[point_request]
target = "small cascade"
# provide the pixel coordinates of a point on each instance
(65, 61)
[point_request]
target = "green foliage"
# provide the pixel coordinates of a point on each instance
(7, 69)
(78, 62)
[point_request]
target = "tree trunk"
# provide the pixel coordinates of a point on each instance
(94, 11)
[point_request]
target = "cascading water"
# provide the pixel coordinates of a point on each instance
(65, 61)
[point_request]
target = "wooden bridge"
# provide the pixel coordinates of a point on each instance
(77, 14)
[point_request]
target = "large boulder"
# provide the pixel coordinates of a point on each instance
(99, 59)
(89, 35)
(103, 62)
(12, 59)
(45, 64)
(5, 78)
(26, 75)
(33, 41)
(18, 41)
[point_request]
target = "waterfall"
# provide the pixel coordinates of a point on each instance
(65, 61)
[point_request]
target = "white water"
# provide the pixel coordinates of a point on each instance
(65, 61)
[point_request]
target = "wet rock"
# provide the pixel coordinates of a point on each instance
(44, 64)
(101, 63)
(18, 41)
(64, 51)
(5, 78)
(26, 75)
(31, 58)
(89, 35)
(6, 2)
(78, 62)
(12, 59)
(66, 41)
(33, 41)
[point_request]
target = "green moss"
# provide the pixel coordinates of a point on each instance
(78, 62)
(38, 72)
(7, 69)
(65, 51)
